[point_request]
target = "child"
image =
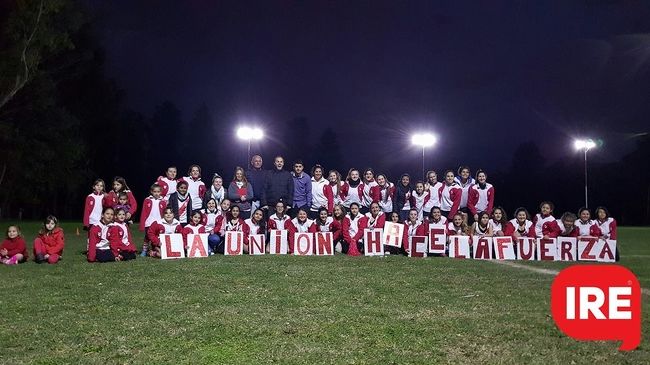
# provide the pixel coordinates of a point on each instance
(167, 225)
(168, 183)
(393, 217)
(352, 229)
(403, 196)
(232, 223)
(332, 190)
(318, 197)
(586, 226)
(194, 227)
(99, 249)
(419, 199)
(48, 245)
(368, 183)
(458, 226)
(433, 187)
(450, 194)
(375, 218)
(499, 221)
(482, 227)
(567, 227)
(436, 219)
(195, 187)
(414, 227)
(464, 181)
(325, 223)
(338, 215)
(544, 222)
(300, 224)
(520, 225)
(352, 189)
(383, 193)
(253, 225)
(209, 215)
(181, 203)
(120, 238)
(93, 205)
(112, 198)
(152, 210)
(13, 250)
(606, 224)
(123, 204)
(481, 196)
(279, 219)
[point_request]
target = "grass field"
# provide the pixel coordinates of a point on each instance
(294, 310)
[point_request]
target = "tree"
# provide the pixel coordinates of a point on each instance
(328, 151)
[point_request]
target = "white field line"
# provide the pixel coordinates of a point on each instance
(542, 271)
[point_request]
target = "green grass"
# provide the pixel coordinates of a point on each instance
(293, 310)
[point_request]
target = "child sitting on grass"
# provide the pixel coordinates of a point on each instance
(48, 245)
(13, 250)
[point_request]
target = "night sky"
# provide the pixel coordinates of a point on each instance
(484, 76)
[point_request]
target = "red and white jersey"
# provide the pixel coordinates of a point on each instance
(453, 230)
(318, 197)
(119, 237)
(183, 206)
(480, 231)
(465, 189)
(480, 200)
(353, 224)
(196, 189)
(375, 222)
(152, 211)
(541, 224)
(496, 226)
(588, 228)
(209, 219)
(419, 201)
(333, 195)
(525, 230)
(276, 222)
(93, 209)
(441, 223)
(351, 195)
(383, 195)
(252, 227)
(169, 227)
(299, 227)
(367, 198)
(329, 226)
(607, 228)
(415, 229)
(230, 225)
(450, 197)
(195, 229)
(434, 197)
(100, 236)
(167, 186)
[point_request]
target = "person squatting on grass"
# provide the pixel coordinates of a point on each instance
(167, 225)
(49, 244)
(120, 239)
(13, 250)
(152, 210)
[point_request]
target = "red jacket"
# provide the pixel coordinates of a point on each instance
(147, 208)
(110, 200)
(375, 193)
(89, 206)
(334, 226)
(473, 198)
(379, 221)
(510, 229)
(420, 230)
(328, 191)
(15, 246)
(120, 238)
(292, 230)
(345, 189)
(54, 242)
(190, 228)
(157, 228)
(347, 224)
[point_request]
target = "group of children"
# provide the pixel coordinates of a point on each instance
(186, 206)
(48, 244)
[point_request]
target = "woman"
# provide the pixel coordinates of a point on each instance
(368, 183)
(352, 189)
(375, 218)
(383, 193)
(216, 191)
(464, 181)
(352, 229)
(318, 197)
(481, 196)
(240, 192)
(403, 196)
(606, 224)
(450, 195)
(254, 225)
(332, 190)
(393, 217)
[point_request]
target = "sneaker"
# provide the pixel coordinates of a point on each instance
(143, 253)
(12, 261)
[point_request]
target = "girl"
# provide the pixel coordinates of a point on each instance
(586, 226)
(325, 223)
(352, 189)
(338, 214)
(209, 215)
(458, 226)
(222, 214)
(520, 225)
(318, 197)
(232, 223)
(254, 225)
(481, 196)
(216, 191)
(482, 227)
(436, 219)
(368, 183)
(383, 193)
(414, 227)
(450, 195)
(419, 199)
(433, 187)
(195, 187)
(167, 225)
(279, 219)
(181, 203)
(112, 198)
(13, 250)
(567, 226)
(120, 238)
(168, 183)
(544, 222)
(375, 218)
(332, 190)
(195, 227)
(123, 203)
(464, 181)
(48, 245)
(352, 230)
(499, 221)
(152, 211)
(240, 193)
(300, 224)
(93, 205)
(403, 196)
(393, 217)
(99, 248)
(606, 224)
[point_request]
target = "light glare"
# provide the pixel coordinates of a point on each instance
(247, 133)
(584, 144)
(423, 139)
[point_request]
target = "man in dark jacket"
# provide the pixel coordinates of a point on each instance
(277, 186)
(256, 177)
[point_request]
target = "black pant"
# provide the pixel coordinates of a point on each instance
(127, 255)
(104, 256)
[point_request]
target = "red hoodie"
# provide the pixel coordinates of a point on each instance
(15, 246)
(54, 241)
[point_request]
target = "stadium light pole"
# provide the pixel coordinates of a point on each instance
(249, 134)
(585, 145)
(423, 140)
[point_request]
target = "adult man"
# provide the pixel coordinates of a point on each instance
(301, 188)
(256, 177)
(278, 185)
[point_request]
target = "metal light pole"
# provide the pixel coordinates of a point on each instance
(424, 140)
(585, 145)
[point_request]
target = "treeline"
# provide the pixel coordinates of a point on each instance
(63, 123)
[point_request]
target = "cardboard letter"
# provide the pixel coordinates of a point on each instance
(482, 248)
(234, 243)
(372, 243)
(256, 244)
(324, 243)
(546, 249)
(608, 251)
(172, 246)
(393, 233)
(459, 247)
(587, 249)
(418, 246)
(526, 248)
(504, 248)
(303, 244)
(567, 248)
(437, 240)
(197, 245)
(278, 242)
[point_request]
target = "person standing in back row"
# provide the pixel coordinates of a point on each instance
(256, 177)
(277, 186)
(301, 188)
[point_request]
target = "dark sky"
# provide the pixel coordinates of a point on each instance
(484, 76)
